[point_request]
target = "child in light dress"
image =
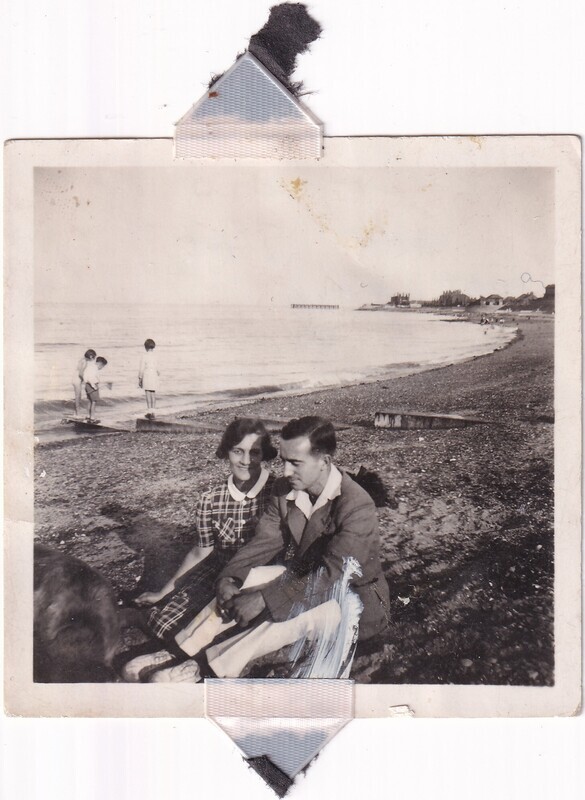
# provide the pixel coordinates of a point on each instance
(148, 376)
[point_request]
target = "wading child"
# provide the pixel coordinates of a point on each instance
(148, 376)
(92, 383)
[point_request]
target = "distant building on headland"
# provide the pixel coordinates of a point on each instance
(529, 302)
(457, 299)
(396, 301)
(400, 300)
(523, 301)
(492, 300)
(549, 296)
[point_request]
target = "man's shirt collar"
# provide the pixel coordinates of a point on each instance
(331, 490)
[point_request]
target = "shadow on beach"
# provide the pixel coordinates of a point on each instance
(161, 546)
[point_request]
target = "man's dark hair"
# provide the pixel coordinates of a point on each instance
(89, 354)
(149, 344)
(240, 427)
(320, 432)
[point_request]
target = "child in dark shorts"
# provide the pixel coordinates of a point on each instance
(91, 380)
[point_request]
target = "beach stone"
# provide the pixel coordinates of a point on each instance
(450, 524)
(425, 546)
(101, 523)
(439, 508)
(365, 666)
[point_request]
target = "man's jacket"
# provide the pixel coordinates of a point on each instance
(315, 551)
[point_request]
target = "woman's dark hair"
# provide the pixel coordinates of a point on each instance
(149, 344)
(320, 432)
(89, 354)
(240, 427)
(101, 360)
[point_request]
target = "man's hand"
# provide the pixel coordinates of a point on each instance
(226, 589)
(246, 607)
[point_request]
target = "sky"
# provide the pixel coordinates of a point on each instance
(284, 234)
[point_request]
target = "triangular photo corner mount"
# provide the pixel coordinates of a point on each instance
(284, 751)
(252, 110)
(279, 725)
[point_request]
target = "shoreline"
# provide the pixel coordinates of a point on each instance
(467, 542)
(189, 411)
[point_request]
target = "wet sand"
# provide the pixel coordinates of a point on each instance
(467, 539)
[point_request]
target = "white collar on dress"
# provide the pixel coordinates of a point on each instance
(331, 490)
(251, 493)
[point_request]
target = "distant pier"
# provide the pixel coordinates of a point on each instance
(314, 305)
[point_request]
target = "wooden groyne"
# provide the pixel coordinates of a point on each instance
(178, 425)
(175, 426)
(408, 420)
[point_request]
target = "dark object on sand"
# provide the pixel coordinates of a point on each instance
(289, 31)
(161, 544)
(408, 420)
(76, 626)
(373, 485)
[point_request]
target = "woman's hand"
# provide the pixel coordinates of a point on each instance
(149, 598)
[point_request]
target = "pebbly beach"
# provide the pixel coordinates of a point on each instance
(467, 531)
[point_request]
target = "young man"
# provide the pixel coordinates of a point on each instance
(318, 521)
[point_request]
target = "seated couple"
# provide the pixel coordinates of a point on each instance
(277, 562)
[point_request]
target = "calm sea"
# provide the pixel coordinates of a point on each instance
(207, 352)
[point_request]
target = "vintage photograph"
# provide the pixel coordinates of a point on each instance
(297, 419)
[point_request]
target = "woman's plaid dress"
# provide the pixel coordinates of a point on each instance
(226, 520)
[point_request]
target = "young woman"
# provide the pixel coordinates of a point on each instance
(225, 520)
